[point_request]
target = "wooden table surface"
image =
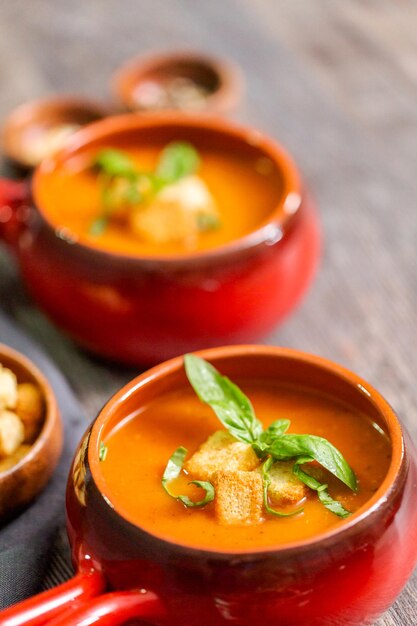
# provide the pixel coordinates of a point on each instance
(336, 82)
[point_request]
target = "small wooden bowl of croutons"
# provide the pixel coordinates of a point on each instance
(30, 432)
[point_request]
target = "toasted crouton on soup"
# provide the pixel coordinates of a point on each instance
(239, 497)
(285, 488)
(221, 451)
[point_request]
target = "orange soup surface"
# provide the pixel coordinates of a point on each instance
(246, 189)
(140, 446)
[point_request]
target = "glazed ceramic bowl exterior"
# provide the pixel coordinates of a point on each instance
(143, 310)
(347, 576)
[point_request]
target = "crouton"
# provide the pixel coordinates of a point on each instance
(176, 213)
(239, 497)
(8, 389)
(29, 408)
(285, 487)
(221, 451)
(12, 433)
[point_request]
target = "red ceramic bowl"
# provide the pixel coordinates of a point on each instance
(346, 576)
(143, 310)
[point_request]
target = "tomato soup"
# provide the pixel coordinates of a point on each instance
(139, 447)
(246, 188)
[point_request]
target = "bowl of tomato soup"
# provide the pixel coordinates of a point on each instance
(164, 507)
(150, 236)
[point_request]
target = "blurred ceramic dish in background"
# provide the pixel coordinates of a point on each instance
(37, 129)
(189, 82)
(140, 306)
(25, 472)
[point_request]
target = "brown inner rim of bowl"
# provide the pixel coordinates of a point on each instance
(97, 133)
(296, 367)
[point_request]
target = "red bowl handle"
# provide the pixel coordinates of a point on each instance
(113, 609)
(15, 200)
(40, 609)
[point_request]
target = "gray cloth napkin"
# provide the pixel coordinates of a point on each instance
(25, 542)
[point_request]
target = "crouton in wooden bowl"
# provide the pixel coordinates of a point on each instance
(30, 432)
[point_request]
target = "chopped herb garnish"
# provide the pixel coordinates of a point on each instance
(235, 411)
(290, 446)
(124, 185)
(207, 221)
(333, 505)
(209, 490)
(102, 451)
(115, 163)
(173, 470)
(98, 226)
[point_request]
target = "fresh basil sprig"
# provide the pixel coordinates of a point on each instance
(266, 478)
(325, 498)
(235, 411)
(231, 405)
(289, 446)
(173, 470)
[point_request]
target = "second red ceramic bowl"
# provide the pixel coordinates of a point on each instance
(142, 310)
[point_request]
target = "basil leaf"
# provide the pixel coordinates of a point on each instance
(266, 482)
(307, 479)
(174, 466)
(98, 226)
(276, 429)
(173, 470)
(177, 160)
(207, 221)
(102, 451)
(209, 496)
(333, 505)
(289, 446)
(231, 405)
(260, 449)
(115, 163)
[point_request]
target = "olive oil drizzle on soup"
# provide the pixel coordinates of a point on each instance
(246, 190)
(139, 446)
